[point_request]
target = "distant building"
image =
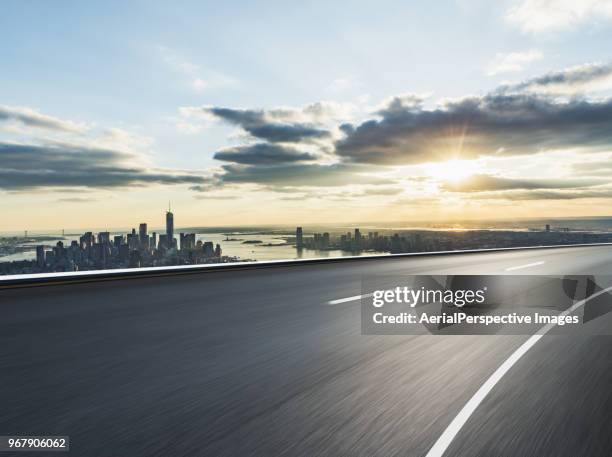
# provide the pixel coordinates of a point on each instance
(118, 240)
(104, 237)
(187, 240)
(325, 240)
(163, 241)
(87, 240)
(169, 228)
(142, 234)
(299, 238)
(548, 227)
(209, 249)
(124, 253)
(40, 256)
(132, 240)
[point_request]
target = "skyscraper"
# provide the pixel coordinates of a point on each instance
(163, 241)
(118, 240)
(299, 238)
(143, 237)
(40, 256)
(104, 237)
(169, 227)
(325, 240)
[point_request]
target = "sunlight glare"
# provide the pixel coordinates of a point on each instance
(452, 170)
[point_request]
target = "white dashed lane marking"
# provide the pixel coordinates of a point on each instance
(347, 299)
(520, 267)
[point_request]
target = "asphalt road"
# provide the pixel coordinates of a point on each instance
(256, 362)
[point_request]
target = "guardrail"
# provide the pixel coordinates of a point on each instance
(124, 273)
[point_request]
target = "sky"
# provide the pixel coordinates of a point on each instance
(251, 113)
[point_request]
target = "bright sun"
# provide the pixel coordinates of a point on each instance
(453, 170)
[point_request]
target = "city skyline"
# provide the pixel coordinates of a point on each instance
(141, 248)
(462, 111)
(106, 250)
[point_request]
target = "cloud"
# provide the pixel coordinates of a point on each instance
(260, 125)
(485, 187)
(513, 62)
(209, 185)
(29, 166)
(496, 124)
(483, 183)
(545, 195)
(76, 200)
(114, 138)
(317, 113)
(593, 168)
(577, 79)
(32, 118)
(537, 16)
(315, 175)
(401, 103)
(309, 147)
(291, 124)
(342, 194)
(374, 191)
(263, 153)
(217, 197)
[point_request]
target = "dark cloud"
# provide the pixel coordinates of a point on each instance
(260, 126)
(495, 124)
(483, 183)
(61, 165)
(315, 175)
(212, 184)
(569, 80)
(33, 118)
(263, 154)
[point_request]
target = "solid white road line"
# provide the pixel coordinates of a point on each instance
(459, 421)
(534, 264)
(347, 299)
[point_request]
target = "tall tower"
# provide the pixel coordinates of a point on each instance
(299, 238)
(170, 226)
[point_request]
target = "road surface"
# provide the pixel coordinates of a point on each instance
(258, 362)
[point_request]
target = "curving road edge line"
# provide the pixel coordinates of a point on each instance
(442, 444)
